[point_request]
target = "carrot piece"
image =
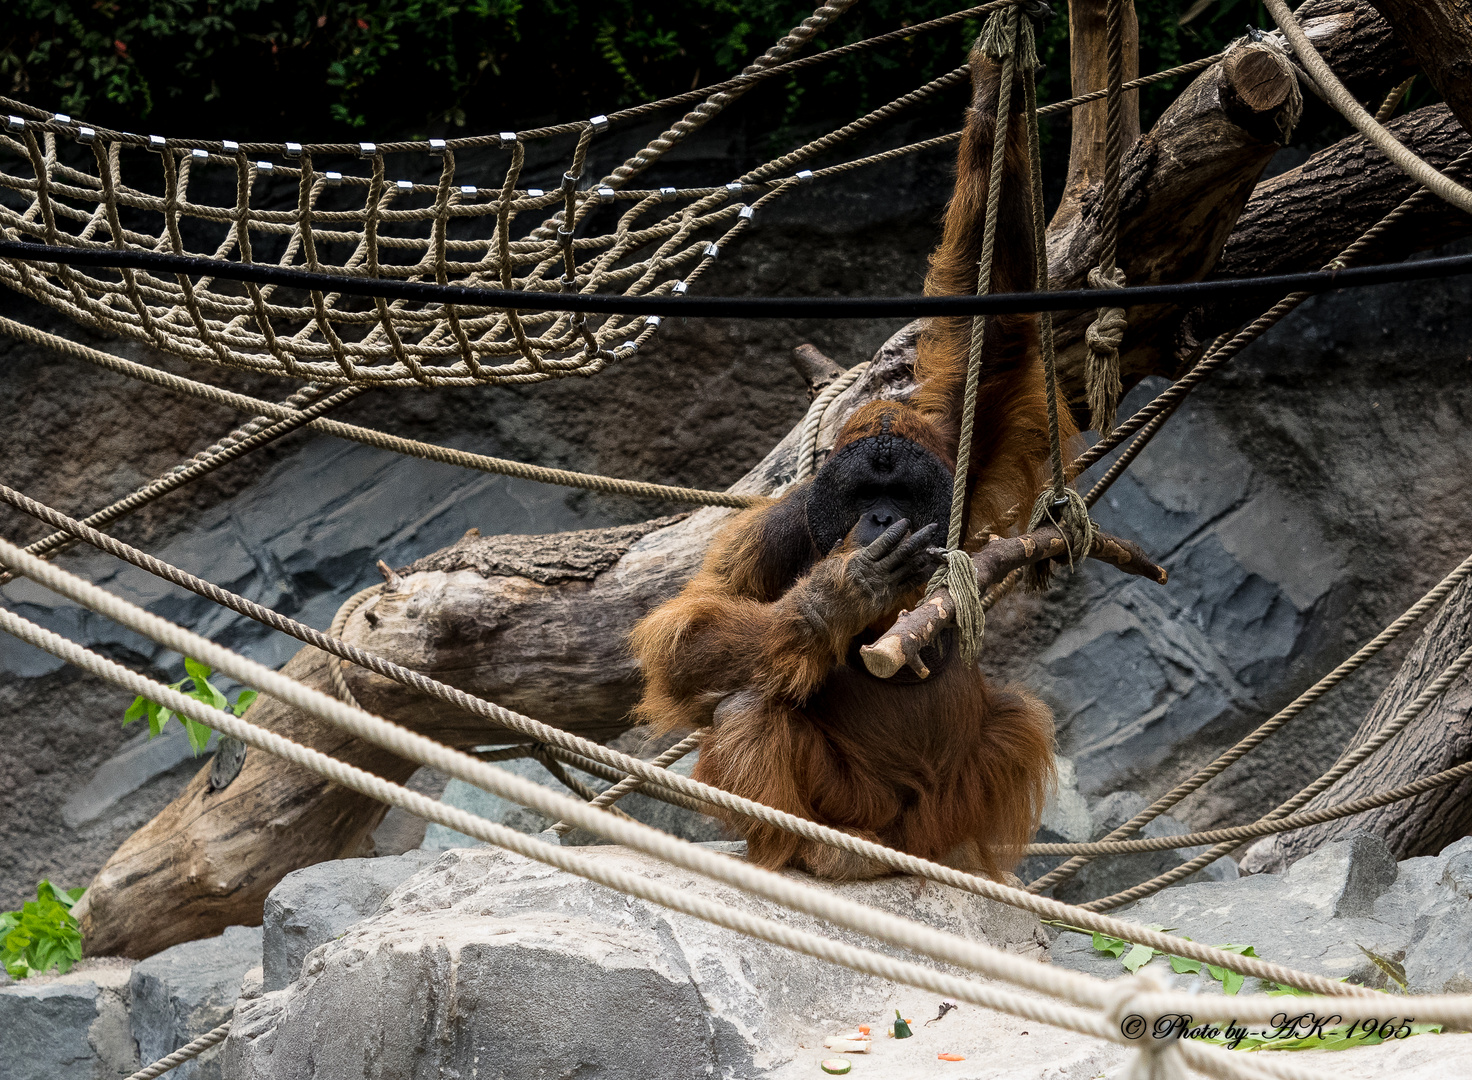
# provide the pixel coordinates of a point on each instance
(951, 1057)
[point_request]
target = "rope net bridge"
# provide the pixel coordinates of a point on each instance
(368, 225)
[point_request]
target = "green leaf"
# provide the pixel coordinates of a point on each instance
(1114, 946)
(136, 711)
(243, 702)
(1183, 966)
(199, 672)
(1138, 957)
(199, 734)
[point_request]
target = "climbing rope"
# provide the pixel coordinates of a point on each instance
(593, 757)
(424, 751)
(1007, 37)
(1105, 334)
(188, 1052)
(1060, 506)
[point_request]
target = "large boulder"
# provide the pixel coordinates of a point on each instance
(72, 1026)
(183, 992)
(316, 904)
(494, 966)
(1332, 913)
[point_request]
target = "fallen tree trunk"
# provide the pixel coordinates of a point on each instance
(1438, 739)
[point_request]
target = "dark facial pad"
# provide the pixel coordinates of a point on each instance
(887, 465)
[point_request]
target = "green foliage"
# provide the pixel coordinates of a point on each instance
(312, 69)
(42, 934)
(200, 688)
(1341, 1037)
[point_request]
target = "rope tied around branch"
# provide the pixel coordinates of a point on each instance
(1104, 336)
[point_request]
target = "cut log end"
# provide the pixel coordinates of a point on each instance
(816, 369)
(1262, 77)
(885, 657)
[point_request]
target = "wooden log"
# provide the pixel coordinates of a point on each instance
(901, 645)
(209, 858)
(1438, 34)
(1089, 69)
(1439, 739)
(816, 369)
(536, 623)
(1304, 217)
(1184, 184)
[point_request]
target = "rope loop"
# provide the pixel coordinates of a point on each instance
(1159, 1056)
(959, 576)
(1104, 336)
(1067, 512)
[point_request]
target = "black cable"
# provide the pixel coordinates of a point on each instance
(740, 307)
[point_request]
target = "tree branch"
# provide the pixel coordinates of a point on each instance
(900, 646)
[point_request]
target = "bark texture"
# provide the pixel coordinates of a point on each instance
(1439, 739)
(1438, 34)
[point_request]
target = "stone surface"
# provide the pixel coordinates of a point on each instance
(1069, 817)
(662, 815)
(494, 966)
(140, 760)
(183, 992)
(1325, 914)
(73, 1026)
(316, 904)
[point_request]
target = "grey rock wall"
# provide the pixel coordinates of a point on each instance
(1326, 914)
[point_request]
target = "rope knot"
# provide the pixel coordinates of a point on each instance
(1005, 35)
(1067, 512)
(959, 576)
(1104, 336)
(1160, 1051)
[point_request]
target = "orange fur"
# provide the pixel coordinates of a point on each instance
(762, 642)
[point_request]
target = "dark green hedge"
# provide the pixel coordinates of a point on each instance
(313, 69)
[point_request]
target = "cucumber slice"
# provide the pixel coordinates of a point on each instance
(836, 1066)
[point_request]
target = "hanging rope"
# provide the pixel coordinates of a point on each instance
(1061, 505)
(1105, 334)
(1000, 39)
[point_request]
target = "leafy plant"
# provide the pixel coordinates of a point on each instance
(1340, 1037)
(42, 934)
(200, 688)
(1134, 956)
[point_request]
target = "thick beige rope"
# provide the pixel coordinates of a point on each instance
(1266, 826)
(812, 421)
(370, 436)
(1119, 999)
(1303, 50)
(188, 1052)
(630, 784)
(462, 766)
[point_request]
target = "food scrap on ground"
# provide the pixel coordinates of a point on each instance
(951, 1057)
(945, 1007)
(901, 1026)
(836, 1066)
